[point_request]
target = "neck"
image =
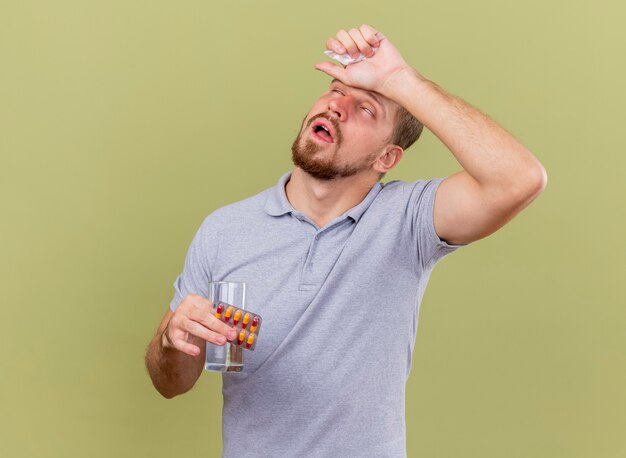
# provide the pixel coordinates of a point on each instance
(323, 200)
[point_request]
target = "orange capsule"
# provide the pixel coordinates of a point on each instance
(227, 314)
(254, 324)
(237, 317)
(242, 335)
(218, 312)
(250, 340)
(246, 320)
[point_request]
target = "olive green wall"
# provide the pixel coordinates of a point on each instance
(124, 123)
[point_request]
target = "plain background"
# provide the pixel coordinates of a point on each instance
(124, 123)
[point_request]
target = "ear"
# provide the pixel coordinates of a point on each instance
(388, 159)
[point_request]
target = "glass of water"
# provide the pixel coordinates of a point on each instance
(227, 357)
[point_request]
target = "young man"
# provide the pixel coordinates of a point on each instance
(337, 262)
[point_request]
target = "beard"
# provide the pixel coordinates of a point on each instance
(305, 155)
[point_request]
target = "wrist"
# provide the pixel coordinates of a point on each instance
(403, 81)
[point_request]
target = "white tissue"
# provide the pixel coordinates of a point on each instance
(345, 59)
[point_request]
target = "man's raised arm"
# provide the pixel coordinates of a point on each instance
(500, 177)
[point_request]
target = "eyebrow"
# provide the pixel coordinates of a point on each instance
(370, 94)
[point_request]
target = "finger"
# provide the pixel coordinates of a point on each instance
(370, 34)
(195, 302)
(347, 42)
(363, 45)
(185, 347)
(331, 69)
(334, 45)
(208, 320)
(196, 329)
(201, 312)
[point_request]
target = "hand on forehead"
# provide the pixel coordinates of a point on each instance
(381, 60)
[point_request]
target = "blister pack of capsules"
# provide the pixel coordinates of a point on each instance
(246, 323)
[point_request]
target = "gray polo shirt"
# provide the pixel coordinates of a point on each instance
(340, 309)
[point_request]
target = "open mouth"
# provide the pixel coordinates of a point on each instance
(323, 131)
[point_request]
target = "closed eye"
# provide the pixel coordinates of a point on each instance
(368, 111)
(337, 91)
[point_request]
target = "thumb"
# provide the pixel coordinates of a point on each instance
(331, 69)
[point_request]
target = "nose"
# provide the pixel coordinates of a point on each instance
(340, 106)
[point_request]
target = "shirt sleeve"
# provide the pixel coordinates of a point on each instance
(420, 211)
(196, 273)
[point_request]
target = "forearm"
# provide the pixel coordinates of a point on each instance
(172, 372)
(487, 152)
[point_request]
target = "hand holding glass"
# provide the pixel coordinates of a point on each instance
(193, 325)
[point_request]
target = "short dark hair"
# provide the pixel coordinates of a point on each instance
(406, 131)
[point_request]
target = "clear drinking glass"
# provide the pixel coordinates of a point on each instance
(227, 357)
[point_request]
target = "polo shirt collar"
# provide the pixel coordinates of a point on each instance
(277, 203)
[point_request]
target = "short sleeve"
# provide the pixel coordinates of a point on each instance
(196, 272)
(420, 197)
